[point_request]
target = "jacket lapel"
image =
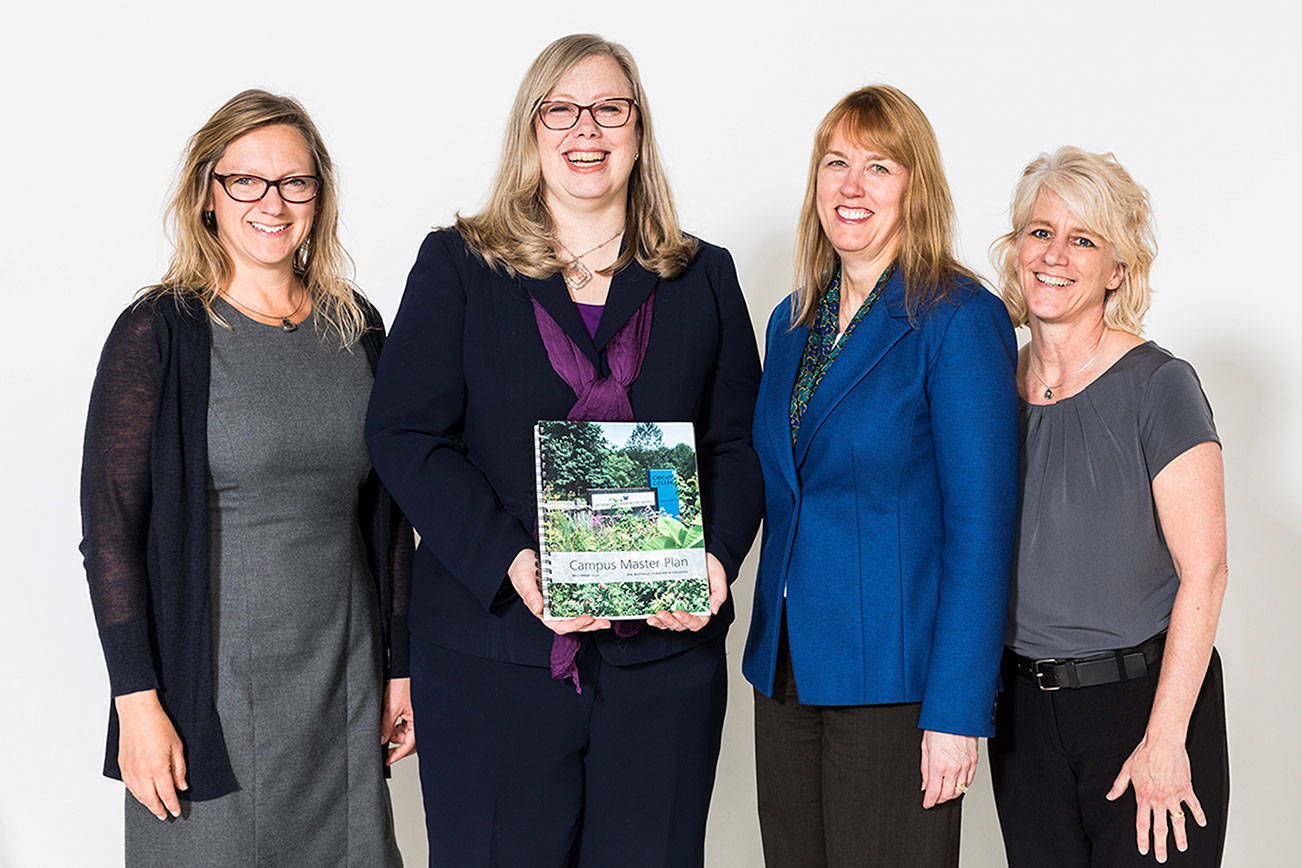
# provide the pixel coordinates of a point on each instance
(780, 367)
(629, 287)
(872, 338)
(554, 297)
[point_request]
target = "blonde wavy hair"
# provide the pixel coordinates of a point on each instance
(1103, 196)
(515, 233)
(883, 118)
(201, 268)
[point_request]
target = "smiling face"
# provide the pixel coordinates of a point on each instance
(588, 166)
(860, 199)
(1064, 269)
(263, 235)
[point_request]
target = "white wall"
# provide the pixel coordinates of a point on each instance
(1198, 100)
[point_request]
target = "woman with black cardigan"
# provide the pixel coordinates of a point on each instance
(249, 574)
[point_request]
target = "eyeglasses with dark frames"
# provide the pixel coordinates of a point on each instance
(295, 189)
(559, 114)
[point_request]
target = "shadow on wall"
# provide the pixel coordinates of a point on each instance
(409, 809)
(732, 836)
(1258, 636)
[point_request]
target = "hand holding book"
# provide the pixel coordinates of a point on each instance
(526, 580)
(681, 620)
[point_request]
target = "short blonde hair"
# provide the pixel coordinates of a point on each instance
(1103, 196)
(201, 268)
(883, 118)
(514, 232)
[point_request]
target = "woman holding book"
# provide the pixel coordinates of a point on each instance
(573, 294)
(248, 572)
(886, 427)
(1111, 730)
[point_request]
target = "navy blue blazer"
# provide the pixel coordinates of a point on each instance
(464, 377)
(889, 526)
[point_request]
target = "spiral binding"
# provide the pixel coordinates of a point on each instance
(544, 557)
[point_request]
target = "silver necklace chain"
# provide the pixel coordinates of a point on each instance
(1048, 389)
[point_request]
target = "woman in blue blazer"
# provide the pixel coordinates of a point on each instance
(886, 429)
(536, 755)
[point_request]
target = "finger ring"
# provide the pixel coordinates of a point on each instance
(962, 788)
(1177, 813)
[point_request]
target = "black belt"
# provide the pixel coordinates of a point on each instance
(1123, 664)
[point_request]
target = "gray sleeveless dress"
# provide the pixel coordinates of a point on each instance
(296, 637)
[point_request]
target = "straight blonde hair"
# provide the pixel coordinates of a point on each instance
(515, 232)
(884, 119)
(1102, 195)
(201, 268)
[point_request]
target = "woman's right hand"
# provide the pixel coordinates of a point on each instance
(150, 755)
(526, 580)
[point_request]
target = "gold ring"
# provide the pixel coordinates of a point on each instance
(962, 788)
(1177, 813)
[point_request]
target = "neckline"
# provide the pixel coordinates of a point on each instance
(1109, 369)
(277, 326)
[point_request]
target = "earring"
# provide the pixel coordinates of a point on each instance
(210, 219)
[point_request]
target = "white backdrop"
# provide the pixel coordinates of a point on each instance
(1199, 101)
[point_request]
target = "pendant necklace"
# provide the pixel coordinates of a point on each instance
(286, 324)
(576, 273)
(1048, 390)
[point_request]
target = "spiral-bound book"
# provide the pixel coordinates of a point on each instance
(619, 519)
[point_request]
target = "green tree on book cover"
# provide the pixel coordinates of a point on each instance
(645, 437)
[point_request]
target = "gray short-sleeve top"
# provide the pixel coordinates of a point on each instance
(1093, 570)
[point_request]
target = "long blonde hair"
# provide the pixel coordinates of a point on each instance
(201, 268)
(1101, 194)
(883, 118)
(515, 231)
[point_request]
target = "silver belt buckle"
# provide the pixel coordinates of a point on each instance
(1039, 676)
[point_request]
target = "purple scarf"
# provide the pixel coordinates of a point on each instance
(598, 400)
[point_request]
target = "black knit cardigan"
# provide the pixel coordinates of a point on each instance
(144, 507)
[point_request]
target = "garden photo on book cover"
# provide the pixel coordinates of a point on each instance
(619, 508)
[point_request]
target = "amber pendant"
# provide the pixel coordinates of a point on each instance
(576, 275)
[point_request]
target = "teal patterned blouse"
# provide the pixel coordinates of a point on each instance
(822, 346)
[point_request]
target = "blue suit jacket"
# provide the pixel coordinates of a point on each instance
(464, 377)
(890, 525)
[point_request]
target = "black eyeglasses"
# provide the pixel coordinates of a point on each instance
(295, 189)
(557, 114)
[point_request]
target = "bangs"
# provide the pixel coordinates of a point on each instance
(1088, 202)
(865, 123)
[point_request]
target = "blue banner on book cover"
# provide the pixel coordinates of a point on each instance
(620, 533)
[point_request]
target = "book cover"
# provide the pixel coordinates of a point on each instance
(619, 519)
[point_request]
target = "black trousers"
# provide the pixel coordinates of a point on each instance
(517, 769)
(1055, 755)
(841, 785)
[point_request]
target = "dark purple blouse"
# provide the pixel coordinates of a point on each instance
(591, 315)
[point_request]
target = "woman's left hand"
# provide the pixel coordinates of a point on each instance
(948, 765)
(678, 619)
(397, 726)
(1159, 772)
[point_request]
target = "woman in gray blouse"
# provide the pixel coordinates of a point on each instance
(1111, 681)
